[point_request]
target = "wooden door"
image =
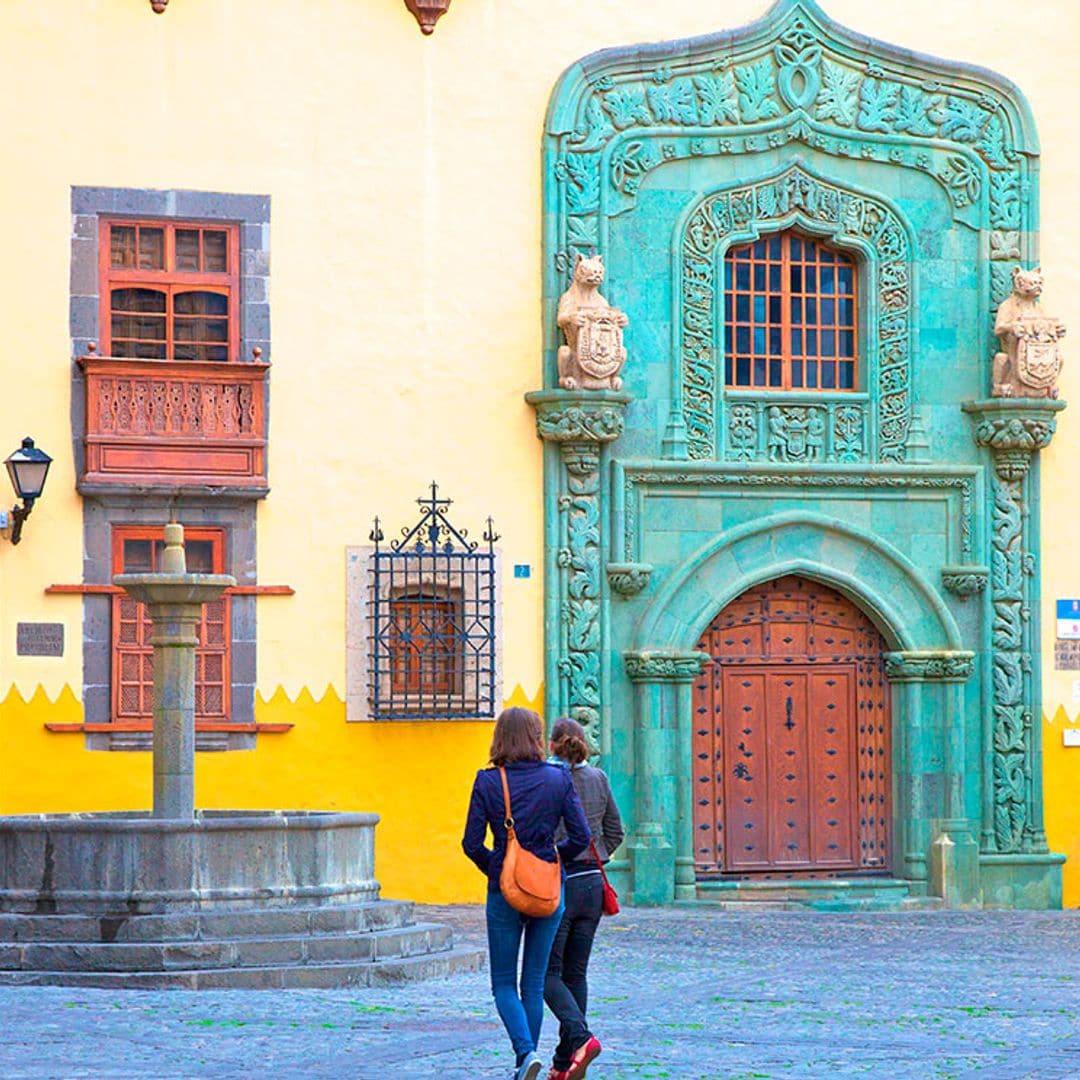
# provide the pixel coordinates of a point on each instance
(791, 737)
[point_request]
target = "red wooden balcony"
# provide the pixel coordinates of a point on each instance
(168, 424)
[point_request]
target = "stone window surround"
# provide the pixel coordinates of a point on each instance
(236, 516)
(358, 587)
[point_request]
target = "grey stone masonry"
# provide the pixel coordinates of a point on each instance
(234, 899)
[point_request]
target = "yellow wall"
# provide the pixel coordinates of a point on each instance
(404, 174)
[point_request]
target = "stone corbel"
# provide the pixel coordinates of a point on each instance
(965, 581)
(627, 579)
(945, 665)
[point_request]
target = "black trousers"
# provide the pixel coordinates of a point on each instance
(566, 988)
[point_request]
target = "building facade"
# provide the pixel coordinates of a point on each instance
(798, 572)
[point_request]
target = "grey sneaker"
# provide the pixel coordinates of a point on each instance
(529, 1068)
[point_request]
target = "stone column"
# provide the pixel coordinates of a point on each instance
(1014, 430)
(933, 682)
(174, 599)
(662, 845)
(576, 425)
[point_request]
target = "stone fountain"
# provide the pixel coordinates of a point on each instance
(199, 899)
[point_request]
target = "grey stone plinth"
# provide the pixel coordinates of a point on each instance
(127, 864)
(227, 899)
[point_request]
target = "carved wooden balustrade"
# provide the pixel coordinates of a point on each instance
(172, 424)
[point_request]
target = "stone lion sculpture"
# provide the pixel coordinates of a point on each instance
(593, 354)
(1030, 359)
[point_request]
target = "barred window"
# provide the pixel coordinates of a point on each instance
(432, 635)
(791, 318)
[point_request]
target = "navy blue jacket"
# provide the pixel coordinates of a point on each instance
(541, 795)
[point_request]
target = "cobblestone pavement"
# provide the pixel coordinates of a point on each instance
(688, 994)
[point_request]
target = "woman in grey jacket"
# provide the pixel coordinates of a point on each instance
(566, 988)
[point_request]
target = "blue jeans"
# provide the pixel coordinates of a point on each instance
(521, 1013)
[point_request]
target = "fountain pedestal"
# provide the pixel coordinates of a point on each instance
(174, 599)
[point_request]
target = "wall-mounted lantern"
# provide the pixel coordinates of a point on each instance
(28, 466)
(428, 12)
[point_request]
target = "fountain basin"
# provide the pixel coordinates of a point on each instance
(131, 864)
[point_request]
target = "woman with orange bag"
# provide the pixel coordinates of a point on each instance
(536, 799)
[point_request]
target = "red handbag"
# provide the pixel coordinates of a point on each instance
(611, 897)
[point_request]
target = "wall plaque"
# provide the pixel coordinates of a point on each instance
(1067, 655)
(39, 639)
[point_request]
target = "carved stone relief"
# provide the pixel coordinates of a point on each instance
(593, 354)
(1030, 359)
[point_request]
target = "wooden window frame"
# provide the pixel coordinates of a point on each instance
(431, 667)
(786, 294)
(170, 280)
(217, 538)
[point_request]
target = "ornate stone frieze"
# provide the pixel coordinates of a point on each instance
(1013, 429)
(949, 666)
(1030, 359)
(628, 579)
(663, 665)
(965, 580)
(793, 432)
(593, 354)
(766, 428)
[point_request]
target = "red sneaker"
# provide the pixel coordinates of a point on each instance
(556, 1074)
(583, 1056)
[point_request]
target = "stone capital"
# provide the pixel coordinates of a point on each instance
(946, 665)
(665, 665)
(578, 415)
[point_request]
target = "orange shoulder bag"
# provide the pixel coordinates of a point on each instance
(529, 884)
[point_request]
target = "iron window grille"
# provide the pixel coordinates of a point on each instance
(432, 610)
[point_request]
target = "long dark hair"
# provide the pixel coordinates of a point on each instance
(519, 736)
(568, 741)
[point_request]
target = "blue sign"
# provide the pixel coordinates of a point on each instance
(1068, 620)
(522, 570)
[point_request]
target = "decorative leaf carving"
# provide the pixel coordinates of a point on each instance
(877, 105)
(1004, 200)
(582, 232)
(962, 179)
(757, 84)
(628, 164)
(596, 129)
(673, 103)
(626, 106)
(839, 95)
(963, 121)
(992, 144)
(918, 113)
(718, 100)
(583, 183)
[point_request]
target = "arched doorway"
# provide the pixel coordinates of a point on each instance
(791, 738)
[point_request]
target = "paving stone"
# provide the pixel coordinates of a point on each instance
(691, 993)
